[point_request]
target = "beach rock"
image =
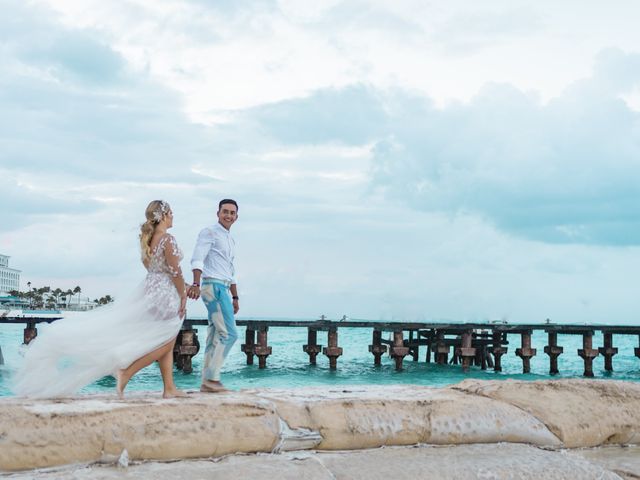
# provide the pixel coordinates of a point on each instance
(296, 439)
(374, 416)
(94, 428)
(86, 429)
(580, 412)
(465, 462)
(353, 418)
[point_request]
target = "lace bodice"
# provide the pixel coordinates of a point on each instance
(166, 257)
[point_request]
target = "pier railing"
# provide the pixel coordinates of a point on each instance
(468, 344)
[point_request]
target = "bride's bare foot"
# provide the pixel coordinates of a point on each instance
(121, 382)
(174, 393)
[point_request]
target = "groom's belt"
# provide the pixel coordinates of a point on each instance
(226, 283)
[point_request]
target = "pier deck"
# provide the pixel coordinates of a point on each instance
(480, 343)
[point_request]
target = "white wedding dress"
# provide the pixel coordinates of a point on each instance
(73, 352)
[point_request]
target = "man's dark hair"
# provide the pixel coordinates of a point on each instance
(228, 200)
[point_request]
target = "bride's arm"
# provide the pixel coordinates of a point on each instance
(172, 255)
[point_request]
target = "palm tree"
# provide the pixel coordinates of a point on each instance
(104, 300)
(38, 300)
(56, 294)
(77, 290)
(43, 293)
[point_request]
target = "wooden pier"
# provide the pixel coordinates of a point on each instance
(468, 344)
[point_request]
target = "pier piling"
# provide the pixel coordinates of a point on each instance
(478, 360)
(489, 358)
(498, 350)
(398, 351)
(30, 332)
(442, 350)
(377, 348)
(467, 352)
(525, 352)
(588, 353)
(481, 357)
(262, 350)
(249, 345)
(455, 358)
(332, 350)
(554, 351)
(608, 351)
(312, 348)
(414, 348)
(185, 348)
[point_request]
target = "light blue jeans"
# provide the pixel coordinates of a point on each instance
(222, 331)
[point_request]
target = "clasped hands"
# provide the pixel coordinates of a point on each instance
(193, 292)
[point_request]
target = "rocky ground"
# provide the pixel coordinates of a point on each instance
(477, 429)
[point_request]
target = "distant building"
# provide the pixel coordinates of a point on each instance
(9, 277)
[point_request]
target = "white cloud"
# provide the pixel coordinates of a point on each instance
(562, 172)
(221, 57)
(477, 156)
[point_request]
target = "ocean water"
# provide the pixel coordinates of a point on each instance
(288, 366)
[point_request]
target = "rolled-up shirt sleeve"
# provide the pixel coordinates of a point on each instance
(203, 244)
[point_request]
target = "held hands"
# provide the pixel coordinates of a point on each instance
(193, 292)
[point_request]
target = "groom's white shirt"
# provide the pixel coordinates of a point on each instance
(214, 253)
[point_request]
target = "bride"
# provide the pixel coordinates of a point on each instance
(120, 339)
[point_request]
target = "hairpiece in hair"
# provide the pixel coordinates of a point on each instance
(160, 212)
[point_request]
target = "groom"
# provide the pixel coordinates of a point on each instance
(214, 279)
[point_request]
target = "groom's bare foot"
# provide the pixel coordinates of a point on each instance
(211, 386)
(174, 393)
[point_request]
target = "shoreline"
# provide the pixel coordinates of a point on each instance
(546, 416)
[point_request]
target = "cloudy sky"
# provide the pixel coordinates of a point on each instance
(403, 159)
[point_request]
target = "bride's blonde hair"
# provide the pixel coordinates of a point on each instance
(155, 212)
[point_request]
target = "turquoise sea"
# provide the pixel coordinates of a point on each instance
(288, 366)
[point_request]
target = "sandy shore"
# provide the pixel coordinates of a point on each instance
(475, 429)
